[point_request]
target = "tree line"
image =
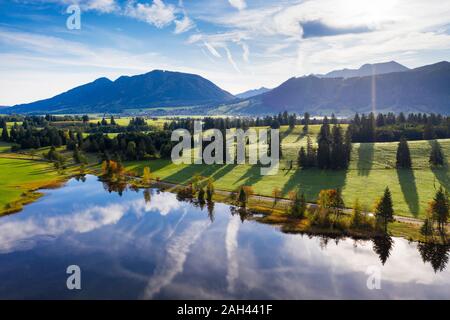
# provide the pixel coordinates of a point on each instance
(333, 151)
(390, 127)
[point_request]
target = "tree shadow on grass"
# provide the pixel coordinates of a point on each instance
(312, 181)
(286, 133)
(223, 171)
(251, 176)
(154, 165)
(184, 175)
(409, 189)
(441, 174)
(365, 158)
(300, 136)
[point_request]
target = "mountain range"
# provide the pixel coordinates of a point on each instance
(381, 87)
(252, 93)
(151, 90)
(424, 89)
(366, 70)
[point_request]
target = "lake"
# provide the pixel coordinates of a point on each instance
(146, 244)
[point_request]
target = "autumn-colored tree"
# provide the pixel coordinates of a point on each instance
(147, 176)
(104, 167)
(357, 215)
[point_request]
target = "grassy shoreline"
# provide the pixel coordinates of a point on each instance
(277, 215)
(271, 214)
(24, 174)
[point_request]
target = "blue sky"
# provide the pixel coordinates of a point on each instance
(238, 44)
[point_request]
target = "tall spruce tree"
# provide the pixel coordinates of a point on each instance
(436, 155)
(403, 154)
(338, 155)
(348, 145)
(5, 135)
(324, 142)
(384, 209)
(311, 153)
(428, 132)
(242, 197)
(440, 208)
(306, 119)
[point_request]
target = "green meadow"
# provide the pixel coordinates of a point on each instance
(21, 173)
(372, 169)
(18, 176)
(124, 121)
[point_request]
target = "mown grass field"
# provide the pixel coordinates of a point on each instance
(124, 121)
(372, 169)
(19, 175)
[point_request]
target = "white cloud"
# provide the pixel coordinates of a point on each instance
(183, 25)
(176, 253)
(212, 50)
(105, 6)
(231, 60)
(411, 32)
(246, 51)
(157, 14)
(231, 245)
(238, 4)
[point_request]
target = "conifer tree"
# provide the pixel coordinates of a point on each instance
(242, 197)
(436, 155)
(306, 120)
(310, 152)
(298, 205)
(5, 135)
(403, 155)
(348, 145)
(384, 210)
(76, 155)
(440, 208)
(324, 141)
(428, 132)
(338, 155)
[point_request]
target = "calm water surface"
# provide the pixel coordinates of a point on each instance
(149, 245)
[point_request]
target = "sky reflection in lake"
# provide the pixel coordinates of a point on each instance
(131, 248)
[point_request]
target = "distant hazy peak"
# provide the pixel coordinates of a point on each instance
(251, 93)
(367, 69)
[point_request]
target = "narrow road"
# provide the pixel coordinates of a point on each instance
(312, 205)
(227, 193)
